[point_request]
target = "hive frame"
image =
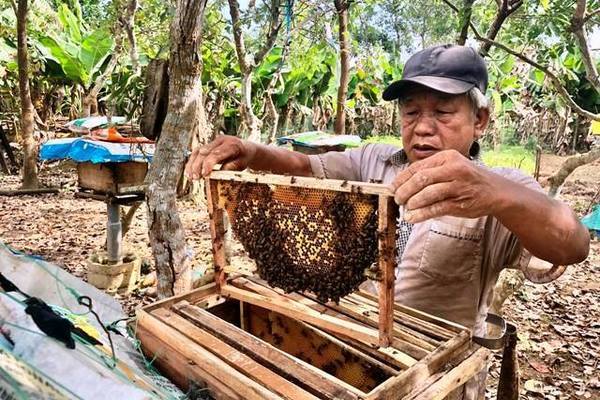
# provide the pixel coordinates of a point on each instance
(387, 216)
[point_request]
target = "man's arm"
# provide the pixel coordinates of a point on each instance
(236, 154)
(449, 184)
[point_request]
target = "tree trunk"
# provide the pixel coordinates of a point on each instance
(251, 121)
(185, 117)
(156, 98)
(571, 164)
(340, 116)
(30, 146)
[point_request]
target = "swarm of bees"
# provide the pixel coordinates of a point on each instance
(305, 247)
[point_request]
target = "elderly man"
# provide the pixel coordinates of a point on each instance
(463, 222)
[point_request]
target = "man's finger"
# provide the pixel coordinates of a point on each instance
(432, 211)
(430, 195)
(435, 160)
(419, 181)
(217, 156)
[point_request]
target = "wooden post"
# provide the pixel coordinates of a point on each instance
(217, 231)
(388, 213)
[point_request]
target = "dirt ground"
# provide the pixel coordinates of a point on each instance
(559, 323)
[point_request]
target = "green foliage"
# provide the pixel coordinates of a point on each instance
(79, 54)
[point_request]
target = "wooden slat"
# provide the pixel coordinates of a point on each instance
(387, 214)
(305, 375)
(407, 335)
(451, 326)
(454, 378)
(399, 386)
(303, 182)
(200, 363)
(192, 297)
(233, 357)
(217, 231)
(424, 331)
(304, 313)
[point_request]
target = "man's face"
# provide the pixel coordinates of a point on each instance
(433, 121)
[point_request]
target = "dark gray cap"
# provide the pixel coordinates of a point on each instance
(447, 68)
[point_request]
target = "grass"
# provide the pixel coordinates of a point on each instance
(510, 156)
(506, 156)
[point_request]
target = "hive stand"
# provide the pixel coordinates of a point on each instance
(387, 216)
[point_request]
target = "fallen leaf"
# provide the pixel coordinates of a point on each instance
(540, 367)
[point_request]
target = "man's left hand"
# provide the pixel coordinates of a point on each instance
(447, 183)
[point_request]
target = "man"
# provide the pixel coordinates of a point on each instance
(463, 222)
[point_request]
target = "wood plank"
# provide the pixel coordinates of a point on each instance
(431, 329)
(304, 313)
(192, 297)
(181, 370)
(303, 374)
(387, 215)
(240, 361)
(450, 325)
(454, 378)
(217, 232)
(303, 182)
(203, 365)
(399, 386)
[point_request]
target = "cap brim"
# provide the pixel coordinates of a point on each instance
(442, 84)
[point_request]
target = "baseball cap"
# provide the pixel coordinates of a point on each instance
(447, 68)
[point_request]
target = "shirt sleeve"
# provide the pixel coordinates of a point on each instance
(351, 165)
(504, 248)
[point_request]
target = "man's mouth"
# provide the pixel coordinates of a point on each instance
(424, 150)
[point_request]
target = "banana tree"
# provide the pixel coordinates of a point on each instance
(80, 54)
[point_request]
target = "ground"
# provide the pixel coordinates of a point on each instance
(559, 323)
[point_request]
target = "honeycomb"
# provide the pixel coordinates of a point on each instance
(304, 239)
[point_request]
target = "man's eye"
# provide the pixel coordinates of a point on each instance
(411, 113)
(444, 112)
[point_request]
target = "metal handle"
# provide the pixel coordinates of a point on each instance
(493, 343)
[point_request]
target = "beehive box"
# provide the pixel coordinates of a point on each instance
(111, 177)
(246, 343)
(245, 339)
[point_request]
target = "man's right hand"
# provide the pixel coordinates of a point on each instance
(233, 153)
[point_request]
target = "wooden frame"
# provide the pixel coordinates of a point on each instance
(387, 212)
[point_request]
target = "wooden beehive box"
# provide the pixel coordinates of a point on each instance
(111, 177)
(246, 344)
(246, 340)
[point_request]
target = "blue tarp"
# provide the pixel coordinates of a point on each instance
(87, 150)
(592, 220)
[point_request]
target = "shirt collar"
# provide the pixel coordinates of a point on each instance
(399, 158)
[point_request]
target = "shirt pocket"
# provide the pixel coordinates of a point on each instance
(451, 252)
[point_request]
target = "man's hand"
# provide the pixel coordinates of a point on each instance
(230, 151)
(446, 183)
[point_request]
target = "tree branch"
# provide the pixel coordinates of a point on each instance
(578, 29)
(274, 28)
(238, 35)
(465, 20)
(553, 78)
(591, 15)
(505, 9)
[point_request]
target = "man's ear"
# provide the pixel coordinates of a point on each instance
(482, 119)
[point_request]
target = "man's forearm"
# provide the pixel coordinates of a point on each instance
(545, 227)
(279, 161)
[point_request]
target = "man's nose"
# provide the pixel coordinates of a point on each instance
(425, 124)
